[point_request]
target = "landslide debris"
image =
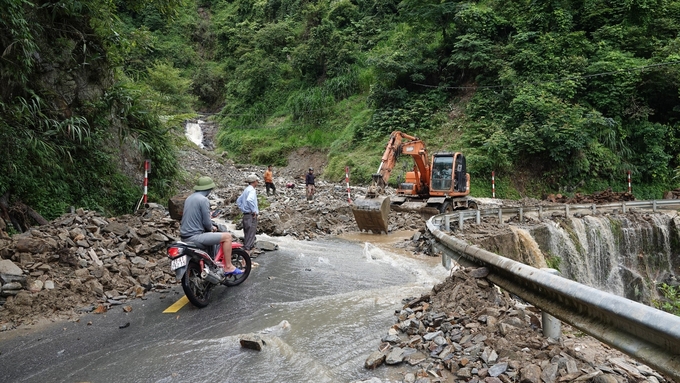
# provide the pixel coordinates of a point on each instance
(605, 196)
(83, 262)
(468, 330)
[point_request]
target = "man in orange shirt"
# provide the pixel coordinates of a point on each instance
(269, 180)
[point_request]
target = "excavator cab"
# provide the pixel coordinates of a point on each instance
(449, 173)
(442, 171)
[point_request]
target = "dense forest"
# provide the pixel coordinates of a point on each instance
(554, 96)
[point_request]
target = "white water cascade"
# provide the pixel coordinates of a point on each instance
(194, 132)
(624, 255)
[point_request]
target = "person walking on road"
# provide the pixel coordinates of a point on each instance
(197, 225)
(247, 202)
(269, 180)
(309, 182)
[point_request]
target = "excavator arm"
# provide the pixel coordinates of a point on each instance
(372, 212)
(401, 144)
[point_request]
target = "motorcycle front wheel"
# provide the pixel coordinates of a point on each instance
(196, 289)
(241, 260)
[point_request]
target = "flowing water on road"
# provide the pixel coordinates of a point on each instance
(322, 310)
(320, 306)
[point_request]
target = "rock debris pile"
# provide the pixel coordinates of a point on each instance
(328, 214)
(83, 262)
(468, 330)
(605, 196)
(287, 212)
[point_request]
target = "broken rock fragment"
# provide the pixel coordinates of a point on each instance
(253, 342)
(374, 360)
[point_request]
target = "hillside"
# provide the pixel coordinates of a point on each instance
(567, 96)
(560, 97)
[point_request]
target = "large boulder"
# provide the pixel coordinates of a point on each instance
(28, 244)
(176, 206)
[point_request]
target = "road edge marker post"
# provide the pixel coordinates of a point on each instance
(147, 169)
(349, 198)
(630, 189)
(493, 184)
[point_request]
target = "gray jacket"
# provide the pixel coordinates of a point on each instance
(196, 216)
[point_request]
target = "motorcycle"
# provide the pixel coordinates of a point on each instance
(200, 268)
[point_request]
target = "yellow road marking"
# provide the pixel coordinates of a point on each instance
(177, 305)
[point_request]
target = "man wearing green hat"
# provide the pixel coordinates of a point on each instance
(198, 227)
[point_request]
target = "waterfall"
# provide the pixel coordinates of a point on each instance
(194, 133)
(528, 249)
(625, 255)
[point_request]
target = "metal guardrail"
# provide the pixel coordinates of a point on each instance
(445, 220)
(647, 334)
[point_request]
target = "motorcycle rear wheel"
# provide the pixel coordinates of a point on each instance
(241, 260)
(196, 289)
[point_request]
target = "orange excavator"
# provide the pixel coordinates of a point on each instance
(436, 185)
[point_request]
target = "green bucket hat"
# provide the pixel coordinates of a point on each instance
(204, 183)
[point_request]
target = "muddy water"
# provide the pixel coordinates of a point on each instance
(322, 322)
(320, 306)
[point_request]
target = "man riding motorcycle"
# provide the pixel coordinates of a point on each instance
(198, 227)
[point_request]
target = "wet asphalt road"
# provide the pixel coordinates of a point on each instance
(337, 300)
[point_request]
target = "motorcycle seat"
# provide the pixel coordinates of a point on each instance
(196, 245)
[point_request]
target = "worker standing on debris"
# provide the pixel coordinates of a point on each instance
(247, 202)
(309, 181)
(269, 180)
(197, 226)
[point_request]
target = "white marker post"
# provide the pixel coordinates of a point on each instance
(349, 198)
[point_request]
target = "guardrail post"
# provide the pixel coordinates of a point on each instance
(654, 206)
(478, 217)
(540, 212)
(566, 210)
(460, 221)
(500, 215)
(446, 260)
(593, 208)
(623, 206)
(552, 327)
(447, 222)
(521, 215)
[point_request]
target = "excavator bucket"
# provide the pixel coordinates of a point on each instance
(372, 213)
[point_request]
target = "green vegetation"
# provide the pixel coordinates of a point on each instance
(670, 301)
(554, 97)
(568, 95)
(66, 120)
(553, 262)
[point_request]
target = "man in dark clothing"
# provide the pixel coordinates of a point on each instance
(309, 181)
(197, 226)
